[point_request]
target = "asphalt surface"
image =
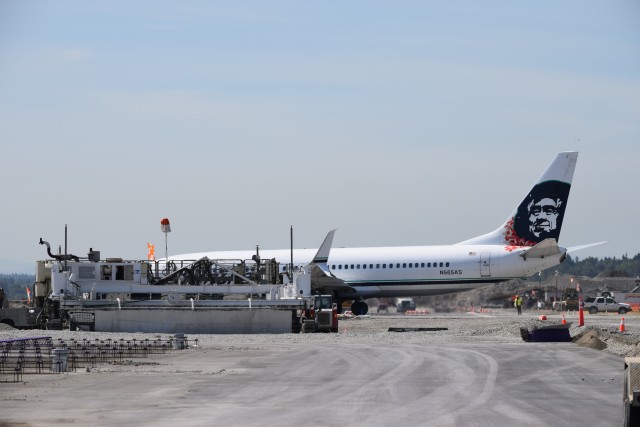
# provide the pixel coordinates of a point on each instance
(329, 380)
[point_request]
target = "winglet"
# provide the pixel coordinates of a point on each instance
(321, 276)
(322, 256)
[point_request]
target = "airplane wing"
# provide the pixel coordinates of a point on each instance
(320, 280)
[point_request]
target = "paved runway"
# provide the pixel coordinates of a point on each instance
(324, 384)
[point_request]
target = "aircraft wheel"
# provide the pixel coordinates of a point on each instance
(359, 308)
(8, 322)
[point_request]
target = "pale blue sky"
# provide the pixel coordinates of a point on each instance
(399, 123)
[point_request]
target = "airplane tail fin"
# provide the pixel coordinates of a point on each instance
(539, 216)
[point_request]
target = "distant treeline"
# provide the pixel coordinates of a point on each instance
(592, 267)
(15, 285)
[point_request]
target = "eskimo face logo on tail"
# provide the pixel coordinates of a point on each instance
(540, 215)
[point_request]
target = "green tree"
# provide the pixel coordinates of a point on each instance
(15, 285)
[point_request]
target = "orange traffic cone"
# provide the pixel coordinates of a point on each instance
(564, 321)
(622, 324)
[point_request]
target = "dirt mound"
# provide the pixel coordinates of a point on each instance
(591, 339)
(612, 273)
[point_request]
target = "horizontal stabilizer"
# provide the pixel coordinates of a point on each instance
(547, 247)
(588, 245)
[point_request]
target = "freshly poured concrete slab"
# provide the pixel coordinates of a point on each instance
(333, 384)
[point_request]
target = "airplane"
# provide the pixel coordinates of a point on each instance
(525, 244)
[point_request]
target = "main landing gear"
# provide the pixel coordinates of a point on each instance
(359, 308)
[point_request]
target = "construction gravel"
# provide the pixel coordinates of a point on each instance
(499, 326)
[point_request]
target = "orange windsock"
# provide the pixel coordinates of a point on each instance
(151, 252)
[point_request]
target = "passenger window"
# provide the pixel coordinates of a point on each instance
(410, 265)
(390, 265)
(358, 266)
(440, 264)
(384, 265)
(352, 266)
(447, 265)
(422, 265)
(398, 265)
(364, 266)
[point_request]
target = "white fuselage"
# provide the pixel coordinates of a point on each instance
(409, 270)
(524, 244)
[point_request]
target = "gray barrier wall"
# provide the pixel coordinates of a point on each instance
(208, 321)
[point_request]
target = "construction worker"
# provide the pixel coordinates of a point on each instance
(518, 304)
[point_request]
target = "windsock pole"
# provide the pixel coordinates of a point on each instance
(165, 226)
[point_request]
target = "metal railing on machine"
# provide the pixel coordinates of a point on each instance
(213, 272)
